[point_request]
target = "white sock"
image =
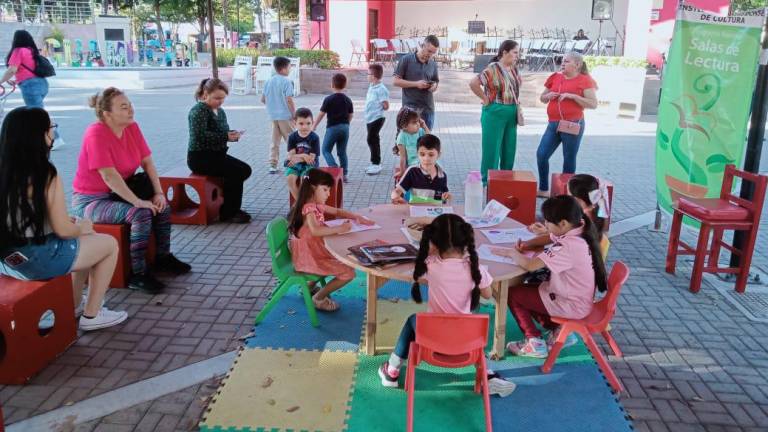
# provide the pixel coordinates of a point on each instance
(394, 364)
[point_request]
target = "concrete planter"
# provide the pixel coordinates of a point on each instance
(621, 87)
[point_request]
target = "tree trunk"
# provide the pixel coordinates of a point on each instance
(225, 22)
(158, 22)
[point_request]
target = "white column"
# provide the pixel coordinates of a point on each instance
(638, 28)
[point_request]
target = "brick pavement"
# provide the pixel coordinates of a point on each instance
(692, 362)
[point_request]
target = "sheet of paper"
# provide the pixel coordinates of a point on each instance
(484, 253)
(509, 235)
(431, 211)
(356, 227)
(410, 238)
(493, 214)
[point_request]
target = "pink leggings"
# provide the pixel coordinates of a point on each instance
(526, 305)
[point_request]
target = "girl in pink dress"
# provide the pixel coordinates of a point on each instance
(307, 224)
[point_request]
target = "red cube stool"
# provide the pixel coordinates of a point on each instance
(729, 212)
(559, 186)
(121, 233)
(184, 211)
(517, 191)
(25, 348)
(336, 199)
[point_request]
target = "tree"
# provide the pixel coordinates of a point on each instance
(745, 5)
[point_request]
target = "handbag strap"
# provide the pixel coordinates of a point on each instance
(559, 108)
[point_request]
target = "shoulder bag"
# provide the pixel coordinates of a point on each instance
(565, 126)
(141, 186)
(517, 82)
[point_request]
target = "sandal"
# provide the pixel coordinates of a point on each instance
(326, 305)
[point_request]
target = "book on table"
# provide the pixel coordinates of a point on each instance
(381, 254)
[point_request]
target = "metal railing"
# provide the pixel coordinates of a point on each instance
(48, 11)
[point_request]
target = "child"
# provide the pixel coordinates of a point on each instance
(456, 281)
(411, 127)
(425, 182)
(303, 148)
(307, 224)
(592, 195)
(278, 96)
(576, 267)
(338, 107)
(376, 102)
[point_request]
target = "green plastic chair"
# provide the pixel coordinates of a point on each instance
(287, 276)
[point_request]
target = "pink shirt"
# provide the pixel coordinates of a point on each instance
(103, 149)
(450, 284)
(21, 57)
(570, 291)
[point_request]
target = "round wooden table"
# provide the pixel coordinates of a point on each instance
(391, 217)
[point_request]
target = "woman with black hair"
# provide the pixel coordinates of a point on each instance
(22, 61)
(38, 240)
(498, 87)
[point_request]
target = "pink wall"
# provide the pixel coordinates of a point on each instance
(662, 28)
(386, 10)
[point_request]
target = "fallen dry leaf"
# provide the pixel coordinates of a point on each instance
(246, 336)
(69, 403)
(271, 402)
(394, 300)
(293, 408)
(267, 382)
(327, 409)
(384, 321)
(290, 312)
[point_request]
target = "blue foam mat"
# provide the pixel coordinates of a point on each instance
(287, 326)
(573, 397)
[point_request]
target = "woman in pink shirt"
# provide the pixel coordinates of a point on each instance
(576, 264)
(21, 62)
(456, 281)
(106, 190)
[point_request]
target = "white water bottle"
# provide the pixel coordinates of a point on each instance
(473, 195)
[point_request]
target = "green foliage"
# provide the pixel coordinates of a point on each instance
(56, 33)
(593, 61)
(745, 5)
(323, 59)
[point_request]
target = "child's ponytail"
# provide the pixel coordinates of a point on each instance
(474, 263)
(590, 235)
(421, 262)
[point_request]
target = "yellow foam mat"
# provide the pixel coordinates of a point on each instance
(390, 317)
(300, 390)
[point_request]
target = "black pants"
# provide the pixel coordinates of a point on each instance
(232, 170)
(374, 141)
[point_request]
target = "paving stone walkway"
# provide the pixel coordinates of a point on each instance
(692, 362)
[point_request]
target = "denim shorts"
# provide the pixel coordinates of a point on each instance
(53, 258)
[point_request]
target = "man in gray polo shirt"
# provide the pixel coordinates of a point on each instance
(416, 74)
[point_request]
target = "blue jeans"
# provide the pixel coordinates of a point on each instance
(33, 91)
(53, 258)
(429, 118)
(407, 335)
(337, 135)
(549, 143)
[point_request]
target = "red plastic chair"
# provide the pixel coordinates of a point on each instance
(449, 341)
(729, 212)
(596, 322)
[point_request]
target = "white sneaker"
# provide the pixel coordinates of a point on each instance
(105, 318)
(373, 169)
(500, 386)
(272, 169)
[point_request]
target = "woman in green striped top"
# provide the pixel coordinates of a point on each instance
(498, 87)
(209, 134)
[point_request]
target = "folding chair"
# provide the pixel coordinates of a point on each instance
(357, 51)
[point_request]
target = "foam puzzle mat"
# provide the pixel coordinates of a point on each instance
(291, 376)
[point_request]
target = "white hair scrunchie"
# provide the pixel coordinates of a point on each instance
(600, 197)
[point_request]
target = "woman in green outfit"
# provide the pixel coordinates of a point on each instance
(498, 86)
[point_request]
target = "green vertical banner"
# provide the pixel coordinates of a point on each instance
(705, 102)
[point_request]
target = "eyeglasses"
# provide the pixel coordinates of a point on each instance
(53, 126)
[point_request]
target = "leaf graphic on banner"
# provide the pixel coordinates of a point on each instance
(704, 88)
(690, 117)
(664, 140)
(717, 162)
(695, 173)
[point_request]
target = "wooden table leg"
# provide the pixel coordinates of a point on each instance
(500, 293)
(370, 314)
